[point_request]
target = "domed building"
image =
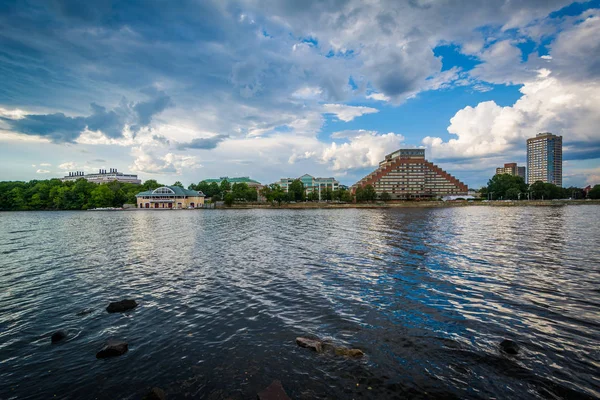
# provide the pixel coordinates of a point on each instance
(170, 197)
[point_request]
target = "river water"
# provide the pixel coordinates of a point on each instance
(427, 294)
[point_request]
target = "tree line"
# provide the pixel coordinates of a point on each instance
(511, 187)
(53, 194)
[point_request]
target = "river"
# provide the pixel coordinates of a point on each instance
(427, 294)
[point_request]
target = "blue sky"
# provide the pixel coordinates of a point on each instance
(275, 89)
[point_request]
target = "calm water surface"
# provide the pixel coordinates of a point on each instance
(426, 293)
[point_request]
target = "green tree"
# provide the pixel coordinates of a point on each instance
(102, 196)
(225, 186)
(594, 193)
(228, 199)
(501, 183)
(345, 196)
(296, 188)
(369, 193)
(178, 183)
(151, 184)
(385, 196)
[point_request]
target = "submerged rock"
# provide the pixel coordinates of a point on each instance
(354, 353)
(120, 306)
(313, 344)
(508, 346)
(58, 336)
(274, 391)
(113, 349)
(155, 394)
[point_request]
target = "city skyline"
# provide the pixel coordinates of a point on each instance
(328, 89)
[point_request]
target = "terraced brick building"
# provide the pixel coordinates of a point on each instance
(406, 174)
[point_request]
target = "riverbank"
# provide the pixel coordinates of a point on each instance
(415, 204)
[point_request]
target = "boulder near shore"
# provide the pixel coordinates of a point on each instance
(321, 346)
(113, 349)
(313, 344)
(120, 306)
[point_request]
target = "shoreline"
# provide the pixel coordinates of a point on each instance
(414, 204)
(377, 205)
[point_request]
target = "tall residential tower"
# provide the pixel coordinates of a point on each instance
(544, 159)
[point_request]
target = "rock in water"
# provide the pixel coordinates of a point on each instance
(354, 353)
(275, 391)
(58, 336)
(155, 394)
(313, 344)
(112, 349)
(120, 306)
(508, 346)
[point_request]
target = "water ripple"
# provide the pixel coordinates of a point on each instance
(427, 294)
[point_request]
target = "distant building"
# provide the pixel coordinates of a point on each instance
(311, 184)
(511, 169)
(103, 177)
(241, 179)
(170, 197)
(544, 159)
(406, 174)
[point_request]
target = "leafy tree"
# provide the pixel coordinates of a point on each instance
(313, 196)
(151, 184)
(345, 196)
(369, 193)
(228, 199)
(500, 184)
(594, 193)
(273, 192)
(102, 196)
(327, 194)
(385, 196)
(296, 189)
(225, 186)
(546, 191)
(178, 183)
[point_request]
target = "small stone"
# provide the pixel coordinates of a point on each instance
(113, 349)
(58, 336)
(120, 306)
(313, 344)
(155, 394)
(275, 391)
(509, 347)
(354, 353)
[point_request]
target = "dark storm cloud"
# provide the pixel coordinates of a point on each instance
(582, 151)
(58, 127)
(203, 143)
(64, 129)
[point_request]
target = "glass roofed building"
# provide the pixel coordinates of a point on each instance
(170, 197)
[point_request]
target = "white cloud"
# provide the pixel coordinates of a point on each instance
(351, 133)
(555, 101)
(45, 165)
(347, 113)
(378, 97)
(308, 93)
(146, 160)
(68, 165)
(362, 151)
(42, 171)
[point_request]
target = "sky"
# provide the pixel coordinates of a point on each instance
(190, 90)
